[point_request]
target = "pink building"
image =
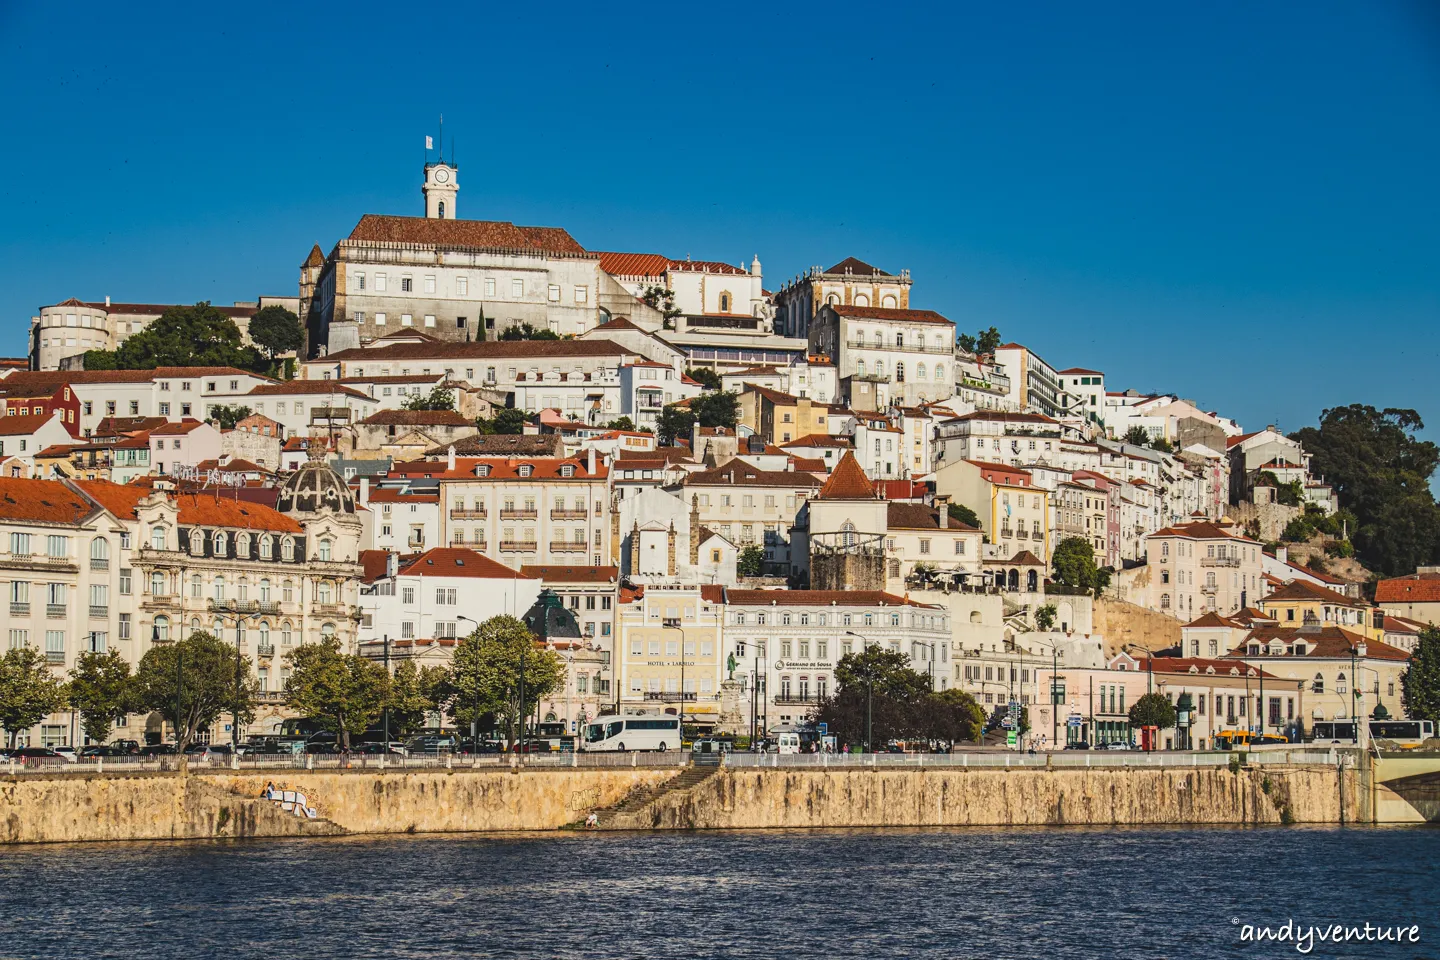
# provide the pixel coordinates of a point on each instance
(183, 444)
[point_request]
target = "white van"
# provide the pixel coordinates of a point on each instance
(788, 743)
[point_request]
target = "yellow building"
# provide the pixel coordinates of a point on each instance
(1300, 603)
(669, 651)
(780, 418)
(1013, 512)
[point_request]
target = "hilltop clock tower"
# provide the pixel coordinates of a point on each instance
(440, 189)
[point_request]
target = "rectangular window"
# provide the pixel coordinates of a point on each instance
(430, 284)
(379, 319)
(407, 285)
(124, 626)
(517, 288)
(554, 293)
(406, 320)
(489, 286)
(125, 581)
(407, 595)
(429, 320)
(582, 294)
(462, 286)
(380, 283)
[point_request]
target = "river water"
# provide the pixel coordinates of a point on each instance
(1059, 893)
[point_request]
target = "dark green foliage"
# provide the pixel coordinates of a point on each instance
(983, 342)
(962, 513)
(704, 376)
(1074, 565)
(226, 416)
(1381, 471)
(1137, 436)
(439, 398)
(99, 690)
(674, 424)
(198, 336)
(509, 422)
(1045, 617)
(276, 330)
(751, 562)
(716, 409)
(211, 684)
(1152, 710)
(1420, 684)
(903, 706)
(527, 331)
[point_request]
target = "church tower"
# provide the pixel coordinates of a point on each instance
(440, 189)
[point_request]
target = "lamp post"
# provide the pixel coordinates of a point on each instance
(179, 678)
(757, 690)
(386, 711)
(221, 609)
(1149, 663)
(1054, 689)
(1357, 652)
(869, 690)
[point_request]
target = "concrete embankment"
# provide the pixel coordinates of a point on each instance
(221, 804)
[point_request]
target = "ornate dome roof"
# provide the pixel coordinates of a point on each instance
(315, 488)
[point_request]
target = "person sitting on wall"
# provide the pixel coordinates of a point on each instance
(269, 792)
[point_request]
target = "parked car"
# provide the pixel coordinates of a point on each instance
(130, 747)
(1113, 745)
(67, 751)
(394, 748)
(1077, 745)
(209, 752)
(37, 756)
(101, 750)
(158, 750)
(431, 744)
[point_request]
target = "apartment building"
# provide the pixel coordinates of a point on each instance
(779, 418)
(1196, 568)
(886, 356)
(1018, 439)
(749, 506)
(1013, 512)
(669, 652)
(440, 595)
(850, 282)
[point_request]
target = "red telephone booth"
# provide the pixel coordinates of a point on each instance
(1149, 738)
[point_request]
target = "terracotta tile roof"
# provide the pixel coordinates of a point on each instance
(1082, 371)
(818, 440)
(481, 350)
(373, 563)
(501, 468)
(670, 455)
(306, 388)
(62, 450)
(32, 383)
(1305, 590)
(1416, 588)
(774, 396)
(195, 509)
(1025, 559)
(405, 378)
(571, 574)
(919, 516)
(41, 501)
(500, 444)
(119, 426)
(1222, 668)
(1325, 643)
(1002, 473)
(889, 313)
(818, 598)
(22, 425)
(738, 473)
(848, 481)
(180, 429)
(494, 234)
(1212, 619)
(1200, 530)
(417, 418)
(855, 266)
(1394, 624)
(633, 264)
(807, 464)
(457, 562)
(316, 257)
(235, 465)
(392, 495)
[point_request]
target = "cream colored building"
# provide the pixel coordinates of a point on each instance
(1013, 512)
(849, 282)
(887, 356)
(749, 506)
(1197, 568)
(669, 652)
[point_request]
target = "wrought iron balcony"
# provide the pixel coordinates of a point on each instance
(19, 609)
(56, 611)
(265, 649)
(563, 546)
(460, 513)
(100, 610)
(245, 607)
(518, 514)
(569, 514)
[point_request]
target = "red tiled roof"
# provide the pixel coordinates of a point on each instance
(373, 564)
(457, 562)
(1002, 416)
(633, 264)
(818, 440)
(1026, 559)
(32, 383)
(195, 509)
(774, 396)
(501, 468)
(1394, 624)
(179, 429)
(1416, 588)
(316, 257)
(235, 465)
(22, 425)
(858, 267)
(740, 474)
(307, 388)
(417, 418)
(1222, 668)
(570, 574)
(1007, 474)
(502, 444)
(1200, 530)
(817, 598)
(41, 501)
(1325, 642)
(1305, 590)
(1212, 619)
(482, 350)
(1082, 371)
(889, 313)
(848, 481)
(495, 234)
(919, 516)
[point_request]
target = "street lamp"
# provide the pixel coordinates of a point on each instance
(1149, 663)
(1357, 651)
(869, 691)
(1054, 703)
(520, 712)
(757, 690)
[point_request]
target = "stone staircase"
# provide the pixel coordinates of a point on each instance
(628, 814)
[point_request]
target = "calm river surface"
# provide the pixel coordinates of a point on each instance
(944, 893)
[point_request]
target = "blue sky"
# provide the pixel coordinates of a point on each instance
(1235, 202)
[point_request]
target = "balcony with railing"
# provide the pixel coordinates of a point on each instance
(253, 608)
(1219, 561)
(479, 546)
(672, 696)
(518, 546)
(56, 611)
(19, 609)
(462, 513)
(99, 563)
(331, 610)
(569, 514)
(33, 561)
(519, 514)
(567, 546)
(415, 543)
(100, 610)
(893, 347)
(54, 656)
(786, 699)
(265, 649)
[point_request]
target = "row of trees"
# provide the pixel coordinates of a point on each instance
(898, 700)
(202, 336)
(197, 681)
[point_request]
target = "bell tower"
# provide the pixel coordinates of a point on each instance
(440, 189)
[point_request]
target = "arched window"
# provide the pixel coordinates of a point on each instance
(327, 630)
(285, 634)
(1032, 581)
(859, 368)
(287, 549)
(887, 301)
(220, 588)
(442, 209)
(724, 303)
(264, 591)
(879, 339)
(242, 545)
(940, 371)
(264, 634)
(879, 368)
(847, 534)
(900, 338)
(1318, 685)
(162, 628)
(322, 592)
(832, 299)
(899, 372)
(157, 538)
(239, 633)
(267, 547)
(195, 625)
(1164, 576)
(197, 590)
(861, 300)
(919, 371)
(1340, 682)
(242, 589)
(197, 543)
(157, 584)
(1210, 579)
(218, 543)
(99, 552)
(1164, 549)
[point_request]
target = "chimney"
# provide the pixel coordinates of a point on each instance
(450, 458)
(942, 504)
(107, 300)
(392, 564)
(1282, 554)
(590, 461)
(364, 491)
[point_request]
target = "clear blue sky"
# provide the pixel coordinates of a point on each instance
(1236, 202)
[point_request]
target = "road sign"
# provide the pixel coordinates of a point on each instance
(1074, 722)
(1011, 738)
(1008, 723)
(824, 728)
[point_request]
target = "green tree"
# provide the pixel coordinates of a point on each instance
(1045, 617)
(1074, 565)
(276, 330)
(704, 376)
(716, 409)
(509, 422)
(962, 513)
(527, 331)
(208, 685)
(343, 692)
(198, 336)
(1137, 436)
(99, 690)
(674, 423)
(1152, 710)
(439, 398)
(1381, 471)
(486, 669)
(226, 416)
(415, 693)
(623, 423)
(988, 341)
(1161, 444)
(889, 670)
(966, 342)
(953, 715)
(751, 562)
(663, 300)
(1420, 683)
(1298, 530)
(29, 690)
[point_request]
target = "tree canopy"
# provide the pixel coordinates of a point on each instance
(486, 670)
(439, 398)
(99, 690)
(208, 684)
(1074, 566)
(704, 376)
(509, 421)
(1381, 471)
(29, 691)
(343, 692)
(958, 511)
(902, 705)
(225, 416)
(1420, 684)
(1137, 436)
(673, 424)
(751, 562)
(527, 331)
(276, 330)
(1152, 710)
(983, 342)
(198, 336)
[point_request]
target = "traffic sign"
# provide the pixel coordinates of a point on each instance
(1011, 738)
(1074, 722)
(1008, 723)
(824, 728)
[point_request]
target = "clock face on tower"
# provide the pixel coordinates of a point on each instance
(442, 175)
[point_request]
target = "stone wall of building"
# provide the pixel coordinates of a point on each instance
(1120, 623)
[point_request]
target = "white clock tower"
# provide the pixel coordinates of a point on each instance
(440, 189)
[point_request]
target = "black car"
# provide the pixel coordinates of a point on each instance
(1077, 745)
(37, 756)
(158, 750)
